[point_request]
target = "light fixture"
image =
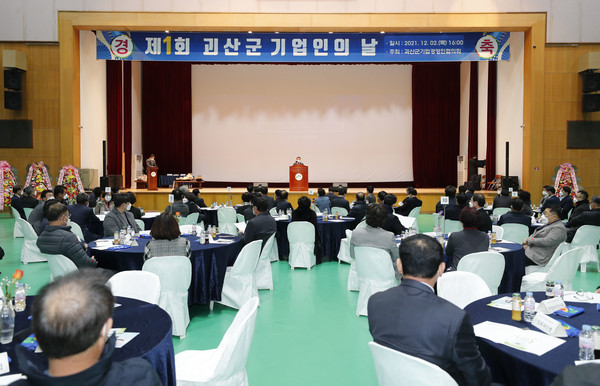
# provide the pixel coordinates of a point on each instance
(166, 31)
(382, 32)
(249, 32)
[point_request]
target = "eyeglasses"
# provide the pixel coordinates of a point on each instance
(68, 215)
(582, 295)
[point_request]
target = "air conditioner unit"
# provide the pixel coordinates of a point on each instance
(137, 167)
(463, 170)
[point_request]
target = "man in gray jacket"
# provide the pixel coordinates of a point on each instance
(540, 246)
(119, 217)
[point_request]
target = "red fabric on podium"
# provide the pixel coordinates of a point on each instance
(298, 178)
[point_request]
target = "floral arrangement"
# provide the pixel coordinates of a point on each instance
(9, 284)
(565, 176)
(7, 181)
(69, 177)
(38, 178)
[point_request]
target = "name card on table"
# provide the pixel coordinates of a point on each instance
(107, 189)
(171, 198)
(548, 325)
(515, 194)
(549, 306)
(444, 200)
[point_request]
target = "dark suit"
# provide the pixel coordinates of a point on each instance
(260, 227)
(340, 202)
(137, 213)
(579, 208)
(309, 215)
(392, 223)
(501, 202)
(248, 212)
(440, 208)
(513, 217)
(115, 221)
(550, 201)
(36, 217)
(331, 196)
(412, 319)
(591, 217)
(84, 217)
(200, 202)
(464, 242)
(485, 222)
(17, 203)
(409, 204)
(566, 204)
(29, 202)
(270, 202)
(453, 212)
(282, 205)
(358, 211)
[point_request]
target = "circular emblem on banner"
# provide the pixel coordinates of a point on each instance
(153, 174)
(487, 47)
(298, 176)
(121, 46)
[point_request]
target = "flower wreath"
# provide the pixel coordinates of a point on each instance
(69, 177)
(565, 176)
(38, 178)
(7, 181)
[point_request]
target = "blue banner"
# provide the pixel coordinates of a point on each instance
(302, 47)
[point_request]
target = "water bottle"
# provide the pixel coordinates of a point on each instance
(129, 230)
(529, 307)
(20, 296)
(490, 238)
(586, 343)
(194, 232)
(559, 290)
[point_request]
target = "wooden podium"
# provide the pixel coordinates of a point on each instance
(152, 177)
(298, 178)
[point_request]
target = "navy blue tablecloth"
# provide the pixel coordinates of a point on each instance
(209, 264)
(164, 180)
(514, 367)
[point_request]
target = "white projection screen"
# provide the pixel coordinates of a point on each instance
(350, 123)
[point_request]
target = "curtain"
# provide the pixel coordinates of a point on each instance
(127, 139)
(167, 115)
(114, 115)
(490, 153)
(473, 113)
(436, 123)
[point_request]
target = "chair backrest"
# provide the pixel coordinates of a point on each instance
(246, 261)
(361, 224)
(192, 218)
(273, 211)
(437, 220)
(27, 212)
(348, 235)
(586, 235)
(265, 254)
(462, 288)
(301, 232)
(76, 229)
(240, 217)
(316, 209)
(565, 268)
(487, 265)
(59, 265)
(374, 264)
(15, 213)
(341, 211)
(499, 231)
(394, 367)
(141, 224)
(415, 212)
(452, 226)
(141, 285)
(226, 215)
(515, 232)
(500, 211)
(27, 229)
(174, 272)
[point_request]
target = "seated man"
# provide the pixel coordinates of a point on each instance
(412, 319)
(15, 201)
(95, 196)
(71, 320)
(515, 216)
(60, 194)
(502, 200)
(199, 200)
(582, 204)
(263, 225)
(392, 223)
(591, 217)
(566, 202)
(119, 218)
(57, 238)
(28, 199)
(36, 217)
(331, 193)
(246, 203)
(549, 198)
(178, 205)
(381, 196)
(359, 209)
(340, 201)
(84, 216)
(322, 202)
(137, 212)
(370, 199)
(453, 211)
(485, 222)
(450, 192)
(264, 190)
(409, 203)
(373, 234)
(540, 246)
(469, 240)
(282, 204)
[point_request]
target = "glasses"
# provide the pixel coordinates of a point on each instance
(68, 216)
(582, 295)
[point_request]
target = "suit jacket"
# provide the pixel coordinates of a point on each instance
(501, 202)
(579, 208)
(200, 202)
(323, 203)
(527, 209)
(591, 217)
(440, 208)
(566, 204)
(270, 202)
(17, 203)
(392, 223)
(248, 213)
(331, 196)
(513, 217)
(114, 221)
(36, 216)
(412, 319)
(485, 222)
(453, 212)
(260, 227)
(59, 240)
(242, 207)
(371, 199)
(550, 201)
(29, 202)
(282, 205)
(178, 207)
(137, 213)
(84, 216)
(151, 162)
(409, 204)
(368, 236)
(358, 211)
(340, 202)
(544, 241)
(464, 242)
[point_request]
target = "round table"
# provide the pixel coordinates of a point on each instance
(209, 264)
(154, 342)
(514, 367)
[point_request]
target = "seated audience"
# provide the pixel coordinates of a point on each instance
(485, 222)
(36, 217)
(392, 223)
(71, 320)
(60, 194)
(381, 196)
(178, 206)
(526, 197)
(582, 204)
(502, 200)
(339, 201)
(370, 199)
(28, 199)
(453, 211)
(450, 192)
(199, 200)
(263, 225)
(331, 194)
(540, 246)
(566, 201)
(264, 190)
(591, 217)
(105, 204)
(582, 375)
(516, 215)
(15, 201)
(282, 204)
(409, 203)
(84, 216)
(137, 213)
(469, 240)
(95, 196)
(304, 213)
(359, 209)
(322, 202)
(57, 238)
(165, 238)
(549, 198)
(374, 235)
(119, 218)
(412, 319)
(246, 203)
(463, 189)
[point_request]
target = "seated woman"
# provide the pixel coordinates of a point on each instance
(137, 213)
(104, 204)
(304, 213)
(165, 238)
(469, 240)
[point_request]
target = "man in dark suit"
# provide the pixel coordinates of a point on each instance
(392, 223)
(119, 218)
(566, 202)
(591, 217)
(84, 216)
(282, 204)
(453, 211)
(264, 190)
(359, 209)
(515, 216)
(15, 201)
(199, 200)
(27, 199)
(370, 199)
(450, 191)
(412, 319)
(331, 194)
(469, 240)
(263, 225)
(246, 203)
(502, 200)
(549, 198)
(36, 217)
(409, 203)
(485, 222)
(582, 204)
(340, 201)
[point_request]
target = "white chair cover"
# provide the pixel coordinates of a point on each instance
(175, 274)
(75, 228)
(394, 367)
(452, 226)
(225, 365)
(352, 276)
(227, 219)
(240, 217)
(341, 211)
(274, 251)
(487, 265)
(316, 209)
(344, 253)
(59, 265)
(192, 218)
(301, 235)
(414, 213)
(361, 224)
(462, 288)
(499, 231)
(587, 238)
(27, 212)
(239, 285)
(563, 269)
(515, 232)
(30, 253)
(141, 224)
(437, 220)
(500, 211)
(140, 285)
(273, 211)
(537, 268)
(17, 230)
(264, 275)
(375, 274)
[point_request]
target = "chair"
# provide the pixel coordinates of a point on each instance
(500, 211)
(375, 274)
(487, 265)
(414, 213)
(275, 251)
(240, 217)
(341, 211)
(563, 269)
(361, 224)
(316, 209)
(27, 212)
(586, 237)
(17, 232)
(225, 365)
(437, 220)
(452, 226)
(273, 211)
(192, 218)
(30, 253)
(227, 219)
(239, 285)
(344, 253)
(175, 274)
(394, 367)
(75, 228)
(538, 268)
(264, 275)
(462, 288)
(515, 232)
(141, 224)
(59, 265)
(499, 231)
(140, 285)
(301, 235)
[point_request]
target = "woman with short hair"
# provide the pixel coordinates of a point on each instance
(166, 240)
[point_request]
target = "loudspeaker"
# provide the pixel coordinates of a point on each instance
(12, 100)
(590, 103)
(104, 182)
(12, 79)
(510, 182)
(114, 181)
(591, 82)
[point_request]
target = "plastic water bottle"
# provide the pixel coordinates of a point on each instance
(194, 232)
(586, 343)
(529, 307)
(490, 238)
(559, 290)
(20, 296)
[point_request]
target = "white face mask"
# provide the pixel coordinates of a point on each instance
(49, 198)
(185, 200)
(562, 194)
(544, 219)
(128, 206)
(107, 198)
(470, 204)
(499, 191)
(544, 193)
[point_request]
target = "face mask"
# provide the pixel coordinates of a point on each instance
(107, 198)
(499, 191)
(185, 200)
(562, 194)
(544, 193)
(470, 204)
(128, 206)
(544, 219)
(49, 198)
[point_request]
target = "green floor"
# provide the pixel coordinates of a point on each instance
(306, 330)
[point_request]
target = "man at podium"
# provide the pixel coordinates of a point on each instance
(151, 161)
(298, 161)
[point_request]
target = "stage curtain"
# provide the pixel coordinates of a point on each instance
(114, 116)
(473, 110)
(127, 121)
(167, 115)
(436, 123)
(490, 154)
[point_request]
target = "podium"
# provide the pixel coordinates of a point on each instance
(298, 178)
(152, 177)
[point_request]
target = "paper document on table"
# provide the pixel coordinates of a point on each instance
(504, 303)
(103, 244)
(499, 249)
(529, 341)
(582, 297)
(219, 241)
(122, 337)
(406, 222)
(241, 226)
(10, 378)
